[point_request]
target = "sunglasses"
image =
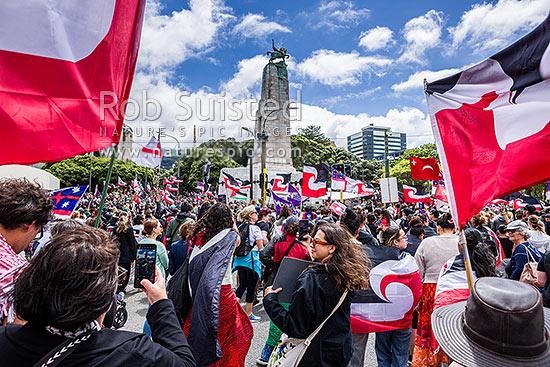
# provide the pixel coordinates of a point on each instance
(510, 231)
(317, 242)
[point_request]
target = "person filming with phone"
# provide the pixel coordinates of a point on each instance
(64, 295)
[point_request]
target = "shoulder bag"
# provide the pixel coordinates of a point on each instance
(290, 351)
(529, 273)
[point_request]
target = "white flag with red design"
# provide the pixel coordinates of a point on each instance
(491, 124)
(149, 155)
(394, 291)
(66, 69)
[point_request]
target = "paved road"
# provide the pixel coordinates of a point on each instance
(137, 308)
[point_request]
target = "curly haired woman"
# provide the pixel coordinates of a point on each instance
(342, 267)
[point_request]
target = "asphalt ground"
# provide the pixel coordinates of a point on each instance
(137, 304)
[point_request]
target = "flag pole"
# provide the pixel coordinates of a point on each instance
(107, 180)
(466, 256)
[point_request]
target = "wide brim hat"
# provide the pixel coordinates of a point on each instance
(448, 331)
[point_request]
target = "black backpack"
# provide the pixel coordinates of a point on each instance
(245, 246)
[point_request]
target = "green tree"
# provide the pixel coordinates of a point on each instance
(313, 132)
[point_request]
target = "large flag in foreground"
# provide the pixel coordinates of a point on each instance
(491, 124)
(59, 59)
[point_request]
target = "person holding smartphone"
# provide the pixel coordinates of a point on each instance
(152, 229)
(64, 295)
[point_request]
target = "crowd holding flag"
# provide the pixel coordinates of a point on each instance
(490, 123)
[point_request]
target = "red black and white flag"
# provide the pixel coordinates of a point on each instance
(314, 182)
(234, 183)
(395, 290)
(425, 169)
(168, 182)
(280, 182)
(121, 183)
(358, 187)
(416, 194)
(174, 179)
(59, 61)
(525, 200)
(171, 188)
(491, 124)
(167, 197)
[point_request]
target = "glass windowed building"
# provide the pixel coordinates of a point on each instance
(369, 142)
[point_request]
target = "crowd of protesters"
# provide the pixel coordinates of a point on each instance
(214, 261)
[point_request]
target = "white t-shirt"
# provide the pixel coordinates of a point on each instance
(255, 233)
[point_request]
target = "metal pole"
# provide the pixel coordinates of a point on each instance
(386, 152)
(90, 184)
(251, 180)
(263, 188)
(146, 174)
(341, 192)
(107, 180)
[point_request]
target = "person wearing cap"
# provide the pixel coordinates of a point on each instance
(502, 324)
(518, 232)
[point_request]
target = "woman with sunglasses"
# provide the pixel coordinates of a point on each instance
(341, 267)
(518, 232)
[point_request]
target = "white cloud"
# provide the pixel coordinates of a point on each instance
(256, 26)
(331, 101)
(376, 38)
(168, 40)
(338, 68)
(490, 26)
(337, 14)
(416, 80)
(248, 76)
(337, 127)
(421, 34)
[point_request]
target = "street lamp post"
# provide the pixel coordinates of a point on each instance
(251, 170)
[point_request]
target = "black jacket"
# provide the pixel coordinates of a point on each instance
(22, 346)
(412, 244)
(366, 238)
(127, 244)
(314, 299)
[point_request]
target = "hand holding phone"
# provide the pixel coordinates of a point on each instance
(146, 257)
(155, 291)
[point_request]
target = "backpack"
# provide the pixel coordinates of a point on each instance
(244, 247)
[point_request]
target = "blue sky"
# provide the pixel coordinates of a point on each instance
(355, 62)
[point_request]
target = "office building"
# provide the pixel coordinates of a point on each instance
(369, 142)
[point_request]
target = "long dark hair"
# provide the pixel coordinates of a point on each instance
(482, 258)
(215, 220)
(348, 264)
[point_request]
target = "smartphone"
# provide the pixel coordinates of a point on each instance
(303, 228)
(145, 264)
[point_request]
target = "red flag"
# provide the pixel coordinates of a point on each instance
(59, 63)
(491, 124)
(425, 169)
